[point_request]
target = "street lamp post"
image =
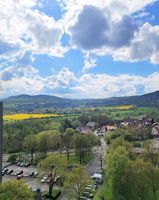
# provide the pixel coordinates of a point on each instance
(1, 139)
(101, 162)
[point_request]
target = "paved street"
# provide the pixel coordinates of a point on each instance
(95, 163)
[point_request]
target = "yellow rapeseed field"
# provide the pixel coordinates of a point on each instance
(125, 107)
(29, 116)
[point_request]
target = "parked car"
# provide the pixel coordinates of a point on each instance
(100, 134)
(44, 179)
(89, 189)
(48, 180)
(31, 174)
(38, 190)
(97, 177)
(84, 198)
(93, 186)
(88, 195)
(22, 164)
(4, 171)
(56, 178)
(100, 171)
(27, 164)
(9, 171)
(35, 173)
(19, 173)
(18, 164)
(20, 176)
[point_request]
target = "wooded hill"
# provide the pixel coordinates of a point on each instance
(27, 103)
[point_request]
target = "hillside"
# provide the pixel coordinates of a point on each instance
(27, 103)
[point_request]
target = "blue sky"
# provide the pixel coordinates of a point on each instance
(79, 49)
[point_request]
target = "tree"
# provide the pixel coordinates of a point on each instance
(153, 177)
(30, 143)
(66, 123)
(120, 142)
(53, 165)
(116, 165)
(137, 179)
(55, 140)
(83, 146)
(100, 119)
(84, 118)
(43, 139)
(67, 141)
(151, 154)
(75, 183)
(15, 190)
(12, 158)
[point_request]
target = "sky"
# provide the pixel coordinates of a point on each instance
(78, 48)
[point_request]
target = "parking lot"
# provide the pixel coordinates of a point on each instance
(32, 182)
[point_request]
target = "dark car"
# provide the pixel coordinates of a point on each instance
(31, 174)
(27, 164)
(38, 190)
(10, 171)
(18, 164)
(4, 171)
(19, 173)
(19, 177)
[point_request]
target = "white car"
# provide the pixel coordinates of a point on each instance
(44, 179)
(97, 177)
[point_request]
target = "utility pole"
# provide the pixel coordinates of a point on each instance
(1, 139)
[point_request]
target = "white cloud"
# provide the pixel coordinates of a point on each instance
(61, 79)
(144, 46)
(15, 80)
(89, 62)
(25, 28)
(108, 28)
(103, 85)
(45, 34)
(114, 9)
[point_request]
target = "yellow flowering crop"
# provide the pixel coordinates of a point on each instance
(29, 116)
(125, 107)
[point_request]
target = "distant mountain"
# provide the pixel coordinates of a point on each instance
(43, 103)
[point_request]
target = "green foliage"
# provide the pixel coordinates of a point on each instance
(53, 165)
(13, 158)
(14, 133)
(75, 183)
(31, 145)
(67, 141)
(116, 165)
(137, 144)
(15, 190)
(83, 146)
(130, 179)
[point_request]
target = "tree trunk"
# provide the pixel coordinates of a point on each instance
(68, 156)
(32, 155)
(51, 184)
(154, 195)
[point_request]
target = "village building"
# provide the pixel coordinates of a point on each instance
(155, 130)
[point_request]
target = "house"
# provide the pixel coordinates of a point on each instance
(91, 125)
(111, 128)
(155, 130)
(88, 128)
(137, 123)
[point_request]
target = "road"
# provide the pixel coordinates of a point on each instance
(97, 161)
